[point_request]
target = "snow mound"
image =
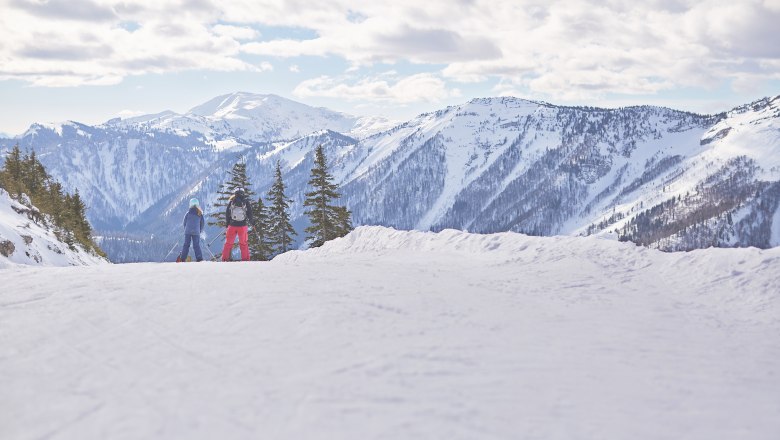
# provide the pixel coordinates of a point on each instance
(752, 274)
(23, 241)
(380, 239)
(508, 246)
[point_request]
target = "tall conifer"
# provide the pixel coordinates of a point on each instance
(280, 231)
(237, 179)
(327, 221)
(259, 245)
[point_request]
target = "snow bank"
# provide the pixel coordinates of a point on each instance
(25, 242)
(399, 335)
(749, 278)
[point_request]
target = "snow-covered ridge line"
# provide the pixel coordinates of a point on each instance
(380, 239)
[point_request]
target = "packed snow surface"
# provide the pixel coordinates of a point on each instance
(400, 335)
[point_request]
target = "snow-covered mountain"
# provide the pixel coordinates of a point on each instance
(120, 173)
(233, 119)
(660, 177)
(389, 334)
(25, 239)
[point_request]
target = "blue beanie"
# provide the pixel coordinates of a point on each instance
(194, 202)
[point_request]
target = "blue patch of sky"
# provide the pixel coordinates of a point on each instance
(355, 17)
(268, 33)
(130, 26)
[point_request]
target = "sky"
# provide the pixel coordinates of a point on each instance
(92, 60)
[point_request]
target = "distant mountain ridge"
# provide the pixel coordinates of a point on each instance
(664, 178)
(253, 118)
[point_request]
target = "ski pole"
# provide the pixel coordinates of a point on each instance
(215, 238)
(213, 257)
(169, 252)
(208, 249)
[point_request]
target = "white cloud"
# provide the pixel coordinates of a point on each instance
(414, 88)
(559, 49)
(564, 48)
(51, 44)
(235, 32)
(295, 68)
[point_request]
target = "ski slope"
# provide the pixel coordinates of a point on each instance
(400, 335)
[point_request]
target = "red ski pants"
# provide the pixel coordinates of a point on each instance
(230, 238)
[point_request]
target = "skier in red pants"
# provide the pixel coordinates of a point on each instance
(238, 216)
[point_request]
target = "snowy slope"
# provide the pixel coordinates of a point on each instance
(397, 335)
(26, 240)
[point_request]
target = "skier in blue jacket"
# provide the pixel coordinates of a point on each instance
(193, 226)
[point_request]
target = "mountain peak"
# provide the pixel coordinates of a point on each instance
(234, 104)
(508, 100)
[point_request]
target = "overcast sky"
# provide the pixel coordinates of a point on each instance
(91, 60)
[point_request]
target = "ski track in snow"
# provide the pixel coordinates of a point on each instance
(396, 335)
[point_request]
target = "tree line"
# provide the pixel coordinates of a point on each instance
(26, 180)
(272, 233)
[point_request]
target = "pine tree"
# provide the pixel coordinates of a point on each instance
(67, 234)
(327, 221)
(55, 201)
(280, 231)
(80, 227)
(34, 177)
(11, 174)
(259, 245)
(237, 179)
(343, 221)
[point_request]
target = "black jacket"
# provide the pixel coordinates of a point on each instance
(239, 200)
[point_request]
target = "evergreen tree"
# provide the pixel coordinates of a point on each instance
(259, 245)
(79, 224)
(327, 221)
(34, 177)
(237, 179)
(280, 231)
(66, 233)
(55, 201)
(11, 174)
(343, 221)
